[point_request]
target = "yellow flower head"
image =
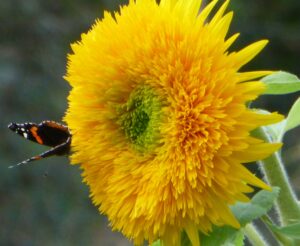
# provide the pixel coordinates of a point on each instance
(159, 122)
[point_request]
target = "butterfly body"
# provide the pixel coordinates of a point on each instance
(49, 133)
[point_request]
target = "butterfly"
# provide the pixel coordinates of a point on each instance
(49, 133)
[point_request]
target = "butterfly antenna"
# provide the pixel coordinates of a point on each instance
(35, 158)
(45, 154)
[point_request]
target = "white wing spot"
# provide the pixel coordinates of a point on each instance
(25, 135)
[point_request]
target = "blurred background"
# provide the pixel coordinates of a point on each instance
(45, 203)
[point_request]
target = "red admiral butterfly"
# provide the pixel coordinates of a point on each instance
(49, 133)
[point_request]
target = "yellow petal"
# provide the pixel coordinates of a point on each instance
(188, 8)
(248, 53)
(221, 27)
(205, 12)
(230, 41)
(192, 232)
(247, 76)
(220, 13)
(257, 152)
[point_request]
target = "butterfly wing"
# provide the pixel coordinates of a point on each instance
(49, 133)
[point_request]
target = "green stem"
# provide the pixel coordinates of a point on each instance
(280, 238)
(254, 236)
(273, 168)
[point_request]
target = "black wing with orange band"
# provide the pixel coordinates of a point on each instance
(49, 133)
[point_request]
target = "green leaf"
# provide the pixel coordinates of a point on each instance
(185, 241)
(277, 131)
(292, 231)
(293, 119)
(273, 130)
(281, 83)
(239, 239)
(156, 243)
(224, 235)
(259, 205)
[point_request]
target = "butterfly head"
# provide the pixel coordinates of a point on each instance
(21, 129)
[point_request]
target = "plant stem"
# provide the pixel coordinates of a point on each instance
(273, 168)
(254, 236)
(279, 237)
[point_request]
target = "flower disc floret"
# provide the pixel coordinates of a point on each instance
(140, 117)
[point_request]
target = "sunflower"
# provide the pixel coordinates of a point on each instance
(159, 119)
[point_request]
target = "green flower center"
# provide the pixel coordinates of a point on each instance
(140, 116)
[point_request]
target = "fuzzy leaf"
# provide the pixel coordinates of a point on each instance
(239, 239)
(281, 83)
(292, 231)
(259, 205)
(156, 243)
(273, 130)
(185, 241)
(293, 119)
(224, 235)
(277, 131)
